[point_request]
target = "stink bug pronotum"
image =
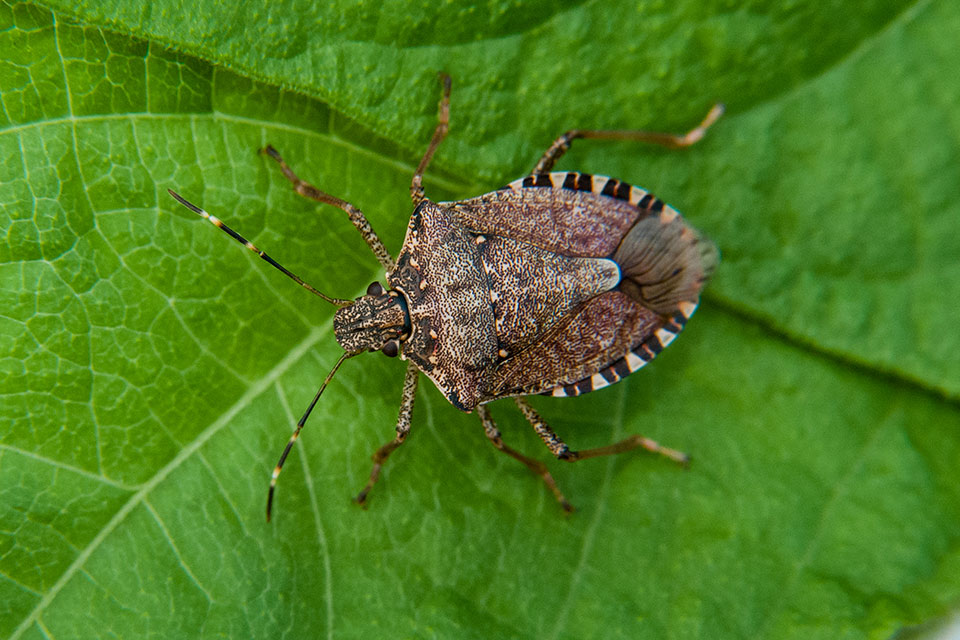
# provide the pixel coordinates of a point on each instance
(557, 284)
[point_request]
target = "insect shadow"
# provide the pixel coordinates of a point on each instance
(557, 284)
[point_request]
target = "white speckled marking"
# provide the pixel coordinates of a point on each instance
(634, 361)
(665, 336)
(687, 308)
(598, 381)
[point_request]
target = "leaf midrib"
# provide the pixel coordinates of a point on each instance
(838, 491)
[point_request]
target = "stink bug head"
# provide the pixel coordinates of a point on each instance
(376, 321)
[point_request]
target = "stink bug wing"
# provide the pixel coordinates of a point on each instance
(663, 262)
(567, 213)
(588, 343)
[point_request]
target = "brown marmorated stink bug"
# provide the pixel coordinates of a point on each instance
(557, 284)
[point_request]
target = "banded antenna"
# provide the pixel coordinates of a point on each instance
(249, 245)
(334, 301)
(296, 431)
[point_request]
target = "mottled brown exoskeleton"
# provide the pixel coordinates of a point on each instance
(557, 284)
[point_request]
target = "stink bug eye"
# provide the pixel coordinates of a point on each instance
(557, 284)
(391, 349)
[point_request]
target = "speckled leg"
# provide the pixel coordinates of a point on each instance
(559, 448)
(443, 125)
(403, 428)
(669, 140)
(356, 216)
(534, 465)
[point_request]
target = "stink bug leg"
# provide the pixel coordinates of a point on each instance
(669, 140)
(443, 125)
(560, 449)
(356, 216)
(403, 428)
(534, 465)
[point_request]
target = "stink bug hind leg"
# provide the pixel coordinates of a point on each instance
(560, 449)
(669, 140)
(562, 452)
(628, 444)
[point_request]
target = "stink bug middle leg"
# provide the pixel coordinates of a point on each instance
(493, 434)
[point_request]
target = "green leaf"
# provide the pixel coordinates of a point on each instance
(151, 369)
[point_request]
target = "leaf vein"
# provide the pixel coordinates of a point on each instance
(334, 140)
(176, 552)
(590, 532)
(838, 491)
(86, 194)
(67, 467)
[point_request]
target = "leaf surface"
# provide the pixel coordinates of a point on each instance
(152, 369)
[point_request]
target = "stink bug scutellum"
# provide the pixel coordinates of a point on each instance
(557, 284)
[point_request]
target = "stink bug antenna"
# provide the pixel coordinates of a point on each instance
(299, 427)
(249, 245)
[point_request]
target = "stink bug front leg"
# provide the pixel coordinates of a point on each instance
(356, 216)
(443, 125)
(669, 140)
